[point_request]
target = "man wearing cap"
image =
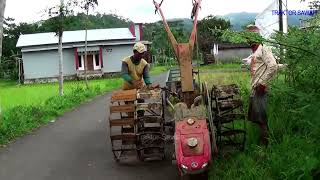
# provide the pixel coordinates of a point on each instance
(135, 70)
(263, 68)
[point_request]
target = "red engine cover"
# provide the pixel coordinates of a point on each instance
(192, 145)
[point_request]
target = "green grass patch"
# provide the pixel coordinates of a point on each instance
(221, 66)
(224, 78)
(27, 107)
(12, 94)
(156, 70)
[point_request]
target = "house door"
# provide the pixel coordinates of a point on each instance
(90, 63)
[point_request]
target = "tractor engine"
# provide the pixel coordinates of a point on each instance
(192, 145)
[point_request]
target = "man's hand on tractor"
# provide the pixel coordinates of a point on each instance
(153, 86)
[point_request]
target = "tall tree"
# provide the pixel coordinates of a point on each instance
(60, 33)
(86, 5)
(161, 47)
(209, 30)
(58, 13)
(315, 4)
(2, 8)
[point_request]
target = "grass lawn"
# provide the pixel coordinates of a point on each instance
(12, 94)
(225, 74)
(158, 70)
(221, 66)
(224, 78)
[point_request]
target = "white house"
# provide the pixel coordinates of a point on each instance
(106, 49)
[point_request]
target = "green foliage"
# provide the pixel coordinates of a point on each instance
(12, 32)
(18, 120)
(161, 46)
(301, 53)
(209, 31)
(76, 22)
(8, 68)
(241, 37)
(315, 4)
(294, 150)
(303, 59)
(293, 116)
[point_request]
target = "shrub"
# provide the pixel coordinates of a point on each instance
(293, 117)
(19, 120)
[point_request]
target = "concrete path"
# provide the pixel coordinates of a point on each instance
(76, 147)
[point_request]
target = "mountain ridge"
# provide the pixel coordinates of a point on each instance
(240, 19)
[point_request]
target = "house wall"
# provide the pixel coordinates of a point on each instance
(45, 64)
(113, 56)
(226, 55)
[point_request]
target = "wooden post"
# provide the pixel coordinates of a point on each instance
(281, 28)
(86, 48)
(19, 62)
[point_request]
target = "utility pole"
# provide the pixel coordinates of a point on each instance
(283, 23)
(280, 16)
(2, 8)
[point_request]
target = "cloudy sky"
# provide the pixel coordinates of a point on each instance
(143, 10)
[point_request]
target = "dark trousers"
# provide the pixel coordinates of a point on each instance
(258, 114)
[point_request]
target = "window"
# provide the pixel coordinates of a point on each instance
(79, 61)
(97, 59)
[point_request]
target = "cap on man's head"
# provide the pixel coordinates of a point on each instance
(253, 28)
(139, 47)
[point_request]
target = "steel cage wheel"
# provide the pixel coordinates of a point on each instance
(207, 103)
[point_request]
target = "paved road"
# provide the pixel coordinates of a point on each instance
(75, 147)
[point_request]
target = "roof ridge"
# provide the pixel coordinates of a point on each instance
(47, 38)
(75, 30)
